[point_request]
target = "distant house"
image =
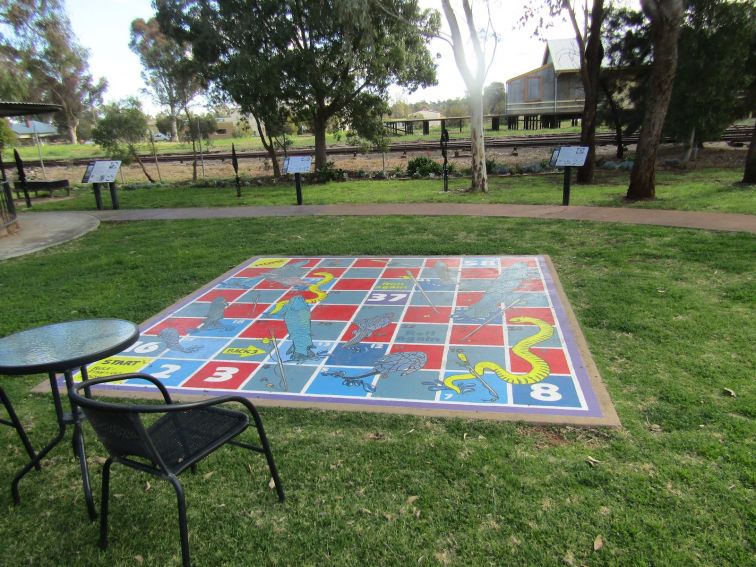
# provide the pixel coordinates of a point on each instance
(432, 116)
(27, 130)
(234, 123)
(550, 93)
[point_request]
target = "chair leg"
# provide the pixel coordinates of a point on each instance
(268, 454)
(104, 504)
(18, 427)
(183, 531)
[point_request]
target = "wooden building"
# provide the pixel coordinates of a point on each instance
(549, 94)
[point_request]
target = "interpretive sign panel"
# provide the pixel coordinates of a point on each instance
(297, 164)
(101, 171)
(569, 156)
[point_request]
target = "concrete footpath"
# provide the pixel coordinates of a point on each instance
(42, 230)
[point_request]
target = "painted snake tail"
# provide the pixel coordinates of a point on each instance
(539, 368)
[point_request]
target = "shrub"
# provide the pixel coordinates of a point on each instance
(329, 172)
(423, 166)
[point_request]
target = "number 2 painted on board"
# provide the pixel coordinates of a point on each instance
(169, 370)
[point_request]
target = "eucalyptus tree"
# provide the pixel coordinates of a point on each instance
(315, 60)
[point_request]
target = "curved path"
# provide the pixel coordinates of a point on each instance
(42, 230)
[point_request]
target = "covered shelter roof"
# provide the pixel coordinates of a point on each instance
(34, 127)
(564, 54)
(11, 108)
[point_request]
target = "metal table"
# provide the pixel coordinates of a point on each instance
(62, 348)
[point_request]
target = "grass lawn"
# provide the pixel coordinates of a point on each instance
(669, 317)
(696, 190)
(73, 151)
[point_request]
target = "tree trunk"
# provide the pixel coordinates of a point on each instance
(174, 128)
(72, 139)
(615, 118)
(691, 146)
(477, 144)
(270, 147)
(144, 169)
(749, 175)
(319, 126)
(665, 18)
(594, 53)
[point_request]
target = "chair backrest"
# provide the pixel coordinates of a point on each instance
(120, 431)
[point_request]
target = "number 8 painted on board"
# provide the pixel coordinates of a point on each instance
(545, 392)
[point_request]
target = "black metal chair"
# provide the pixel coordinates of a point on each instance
(176, 441)
(16, 424)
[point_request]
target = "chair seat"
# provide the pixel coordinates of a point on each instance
(183, 438)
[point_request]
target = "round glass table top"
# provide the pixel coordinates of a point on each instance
(64, 346)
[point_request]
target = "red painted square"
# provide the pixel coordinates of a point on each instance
(506, 262)
(417, 314)
(221, 375)
(466, 298)
(354, 284)
(333, 312)
(335, 272)
(263, 328)
(491, 335)
(251, 272)
(182, 324)
(542, 313)
(398, 273)
(530, 285)
(553, 356)
(265, 284)
(382, 335)
(245, 310)
(450, 262)
(479, 273)
(227, 294)
(371, 263)
(435, 353)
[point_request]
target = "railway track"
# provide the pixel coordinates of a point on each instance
(732, 134)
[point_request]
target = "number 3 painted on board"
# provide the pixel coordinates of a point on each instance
(222, 373)
(545, 392)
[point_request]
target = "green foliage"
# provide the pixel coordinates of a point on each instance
(329, 172)
(201, 126)
(7, 136)
(122, 126)
(423, 166)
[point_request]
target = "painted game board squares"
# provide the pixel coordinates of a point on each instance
(400, 361)
(421, 333)
(346, 284)
(490, 334)
(333, 312)
(344, 298)
(221, 375)
(268, 379)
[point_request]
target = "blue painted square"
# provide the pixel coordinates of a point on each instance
(393, 285)
(554, 391)
(171, 372)
(226, 328)
(267, 378)
(199, 348)
(439, 298)
(246, 350)
(422, 333)
(435, 284)
(192, 310)
(327, 384)
(370, 310)
(475, 284)
(474, 355)
(363, 273)
(480, 262)
(335, 262)
(388, 297)
(264, 296)
(406, 262)
(409, 387)
(327, 330)
(344, 297)
(362, 355)
(474, 390)
(239, 283)
(316, 356)
(517, 333)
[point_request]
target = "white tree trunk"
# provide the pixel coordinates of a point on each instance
(479, 174)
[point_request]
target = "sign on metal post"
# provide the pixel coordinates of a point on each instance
(568, 157)
(298, 165)
(99, 172)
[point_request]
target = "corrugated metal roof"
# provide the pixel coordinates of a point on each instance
(42, 128)
(563, 53)
(12, 108)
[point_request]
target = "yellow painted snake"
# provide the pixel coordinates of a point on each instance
(539, 368)
(314, 288)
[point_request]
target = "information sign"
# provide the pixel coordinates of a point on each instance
(569, 156)
(101, 171)
(297, 164)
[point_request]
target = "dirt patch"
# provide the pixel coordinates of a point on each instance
(713, 155)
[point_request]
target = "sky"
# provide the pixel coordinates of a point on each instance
(102, 26)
